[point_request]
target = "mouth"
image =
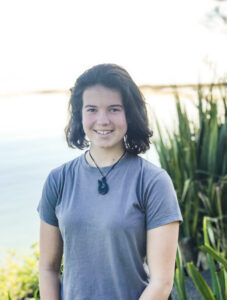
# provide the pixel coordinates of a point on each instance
(103, 132)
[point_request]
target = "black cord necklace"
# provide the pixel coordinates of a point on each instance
(103, 187)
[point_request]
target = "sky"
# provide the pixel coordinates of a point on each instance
(47, 44)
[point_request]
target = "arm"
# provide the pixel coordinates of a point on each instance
(51, 250)
(161, 255)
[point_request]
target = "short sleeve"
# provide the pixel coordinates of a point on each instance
(161, 202)
(48, 201)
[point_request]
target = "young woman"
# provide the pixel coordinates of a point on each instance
(109, 211)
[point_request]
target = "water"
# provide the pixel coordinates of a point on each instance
(24, 167)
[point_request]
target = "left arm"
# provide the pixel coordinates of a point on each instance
(161, 255)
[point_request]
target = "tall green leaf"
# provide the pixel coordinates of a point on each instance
(200, 283)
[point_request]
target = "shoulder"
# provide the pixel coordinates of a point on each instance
(153, 177)
(58, 173)
(67, 166)
(150, 170)
(147, 174)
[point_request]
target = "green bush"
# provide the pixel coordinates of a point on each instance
(218, 290)
(19, 276)
(195, 157)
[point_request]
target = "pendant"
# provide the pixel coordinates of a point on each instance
(103, 187)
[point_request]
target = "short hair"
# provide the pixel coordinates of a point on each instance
(137, 138)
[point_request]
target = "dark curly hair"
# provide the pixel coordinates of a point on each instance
(137, 138)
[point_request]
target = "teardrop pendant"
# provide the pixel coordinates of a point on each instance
(103, 187)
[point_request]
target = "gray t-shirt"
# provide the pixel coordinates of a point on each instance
(104, 236)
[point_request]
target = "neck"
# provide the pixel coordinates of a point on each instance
(104, 158)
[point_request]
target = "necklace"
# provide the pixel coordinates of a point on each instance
(103, 187)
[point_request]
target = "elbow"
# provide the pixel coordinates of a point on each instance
(168, 288)
(49, 268)
(158, 290)
(164, 285)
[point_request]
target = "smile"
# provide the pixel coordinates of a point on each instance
(103, 132)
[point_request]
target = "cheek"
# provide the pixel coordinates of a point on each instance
(123, 122)
(86, 122)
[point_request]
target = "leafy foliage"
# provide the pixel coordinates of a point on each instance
(218, 276)
(195, 156)
(19, 276)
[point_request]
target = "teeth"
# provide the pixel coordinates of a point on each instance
(103, 132)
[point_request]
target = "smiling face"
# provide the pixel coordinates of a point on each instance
(103, 118)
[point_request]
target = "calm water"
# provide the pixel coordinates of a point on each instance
(24, 166)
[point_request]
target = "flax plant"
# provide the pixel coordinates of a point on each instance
(217, 264)
(195, 156)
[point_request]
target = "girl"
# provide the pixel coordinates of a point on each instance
(109, 211)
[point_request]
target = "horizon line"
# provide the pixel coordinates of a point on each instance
(144, 86)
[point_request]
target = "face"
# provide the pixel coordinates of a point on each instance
(103, 117)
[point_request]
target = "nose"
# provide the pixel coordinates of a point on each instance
(103, 118)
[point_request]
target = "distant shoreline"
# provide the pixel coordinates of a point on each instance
(156, 87)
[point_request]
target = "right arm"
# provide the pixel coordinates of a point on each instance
(50, 257)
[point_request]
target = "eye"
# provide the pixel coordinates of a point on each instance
(91, 109)
(115, 109)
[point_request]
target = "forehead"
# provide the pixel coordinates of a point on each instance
(100, 95)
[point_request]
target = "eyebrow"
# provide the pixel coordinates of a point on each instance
(113, 105)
